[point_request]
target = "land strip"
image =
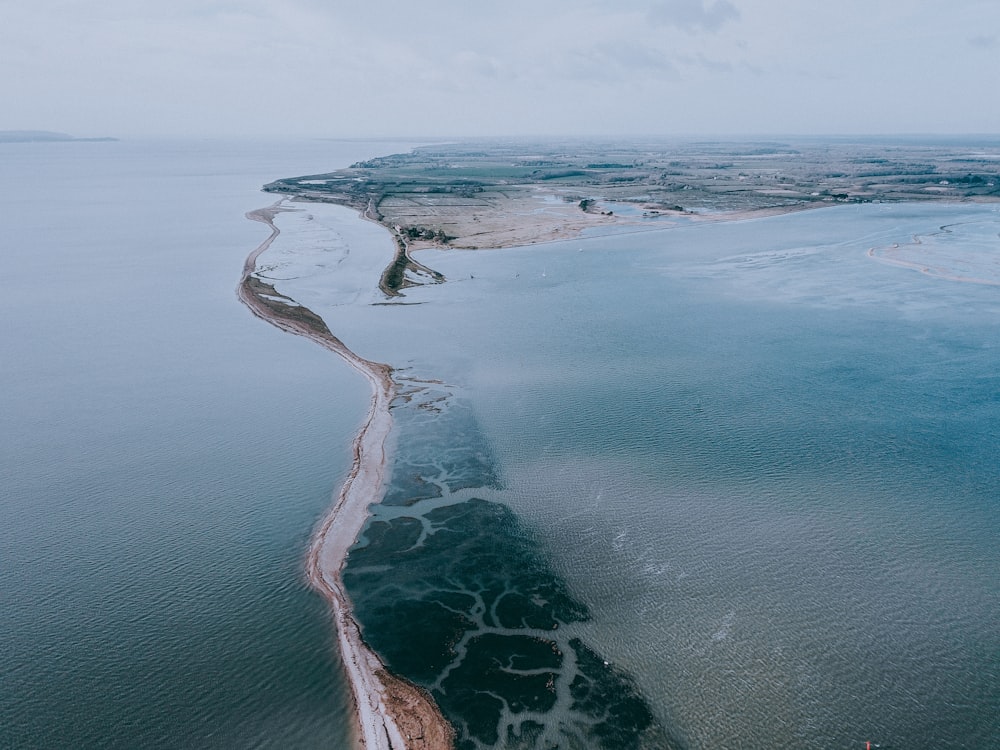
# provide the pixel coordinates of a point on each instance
(392, 714)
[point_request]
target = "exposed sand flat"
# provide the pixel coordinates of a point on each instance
(934, 260)
(392, 714)
(494, 219)
(531, 218)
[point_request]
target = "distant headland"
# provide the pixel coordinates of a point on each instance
(34, 136)
(477, 194)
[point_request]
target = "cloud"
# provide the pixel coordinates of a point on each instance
(693, 15)
(714, 66)
(613, 63)
(474, 62)
(447, 66)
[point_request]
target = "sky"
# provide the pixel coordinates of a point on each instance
(382, 68)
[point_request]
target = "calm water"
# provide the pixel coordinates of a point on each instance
(763, 467)
(164, 456)
(727, 485)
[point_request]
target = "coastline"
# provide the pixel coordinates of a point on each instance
(391, 713)
(489, 193)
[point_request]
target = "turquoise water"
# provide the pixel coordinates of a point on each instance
(164, 456)
(763, 464)
(750, 473)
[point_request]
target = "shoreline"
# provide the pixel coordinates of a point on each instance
(895, 256)
(491, 193)
(391, 714)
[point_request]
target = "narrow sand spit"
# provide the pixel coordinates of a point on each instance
(938, 264)
(392, 713)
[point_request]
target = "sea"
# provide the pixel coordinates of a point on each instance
(164, 455)
(676, 485)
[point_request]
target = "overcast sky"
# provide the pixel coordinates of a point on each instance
(468, 67)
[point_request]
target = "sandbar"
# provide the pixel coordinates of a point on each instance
(392, 714)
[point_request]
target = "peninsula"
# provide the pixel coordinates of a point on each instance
(477, 195)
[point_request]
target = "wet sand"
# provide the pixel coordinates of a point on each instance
(918, 256)
(392, 714)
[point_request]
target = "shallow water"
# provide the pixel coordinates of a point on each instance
(455, 594)
(765, 464)
(164, 456)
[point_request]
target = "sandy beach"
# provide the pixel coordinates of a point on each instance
(392, 714)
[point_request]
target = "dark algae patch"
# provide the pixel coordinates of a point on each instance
(595, 692)
(448, 451)
(460, 602)
(453, 593)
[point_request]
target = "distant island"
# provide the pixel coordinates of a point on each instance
(33, 136)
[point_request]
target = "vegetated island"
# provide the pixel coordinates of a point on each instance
(44, 136)
(489, 194)
(496, 194)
